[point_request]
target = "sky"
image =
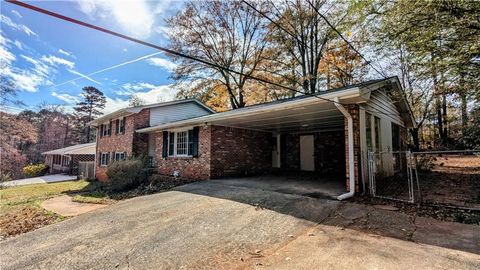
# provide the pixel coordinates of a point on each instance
(50, 60)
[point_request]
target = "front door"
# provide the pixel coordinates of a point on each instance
(306, 153)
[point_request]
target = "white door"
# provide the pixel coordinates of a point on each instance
(306, 153)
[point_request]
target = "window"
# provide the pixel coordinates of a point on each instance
(378, 137)
(104, 159)
(106, 129)
(368, 131)
(396, 139)
(120, 156)
(120, 128)
(180, 143)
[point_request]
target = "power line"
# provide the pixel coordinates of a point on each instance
(148, 44)
(344, 39)
(288, 32)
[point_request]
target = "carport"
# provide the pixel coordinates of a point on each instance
(307, 145)
(302, 140)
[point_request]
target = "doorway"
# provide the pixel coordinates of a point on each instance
(307, 162)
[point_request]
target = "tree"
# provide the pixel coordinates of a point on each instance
(135, 101)
(85, 111)
(440, 41)
(14, 133)
(226, 33)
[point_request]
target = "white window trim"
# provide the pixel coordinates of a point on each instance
(118, 127)
(107, 159)
(105, 133)
(176, 131)
(119, 153)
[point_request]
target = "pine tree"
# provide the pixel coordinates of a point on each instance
(87, 110)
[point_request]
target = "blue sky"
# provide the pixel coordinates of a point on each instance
(42, 54)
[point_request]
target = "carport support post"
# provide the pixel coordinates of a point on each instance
(351, 161)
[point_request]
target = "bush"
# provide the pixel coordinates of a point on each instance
(5, 176)
(34, 170)
(125, 174)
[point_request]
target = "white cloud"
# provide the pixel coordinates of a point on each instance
(163, 63)
(133, 16)
(20, 27)
(84, 76)
(66, 53)
(125, 49)
(16, 13)
(149, 92)
(18, 44)
(6, 56)
(114, 104)
(69, 99)
(53, 60)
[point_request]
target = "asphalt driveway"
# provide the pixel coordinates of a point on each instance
(212, 225)
(52, 178)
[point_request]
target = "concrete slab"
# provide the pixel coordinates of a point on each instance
(447, 234)
(40, 180)
(64, 206)
(326, 247)
(301, 184)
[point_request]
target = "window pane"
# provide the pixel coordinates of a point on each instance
(368, 127)
(378, 140)
(182, 143)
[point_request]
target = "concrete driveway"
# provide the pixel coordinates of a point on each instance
(40, 180)
(213, 225)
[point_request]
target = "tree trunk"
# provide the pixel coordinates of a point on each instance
(415, 137)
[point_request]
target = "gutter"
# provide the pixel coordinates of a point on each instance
(351, 162)
(347, 93)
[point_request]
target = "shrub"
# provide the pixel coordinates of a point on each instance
(5, 176)
(125, 174)
(34, 170)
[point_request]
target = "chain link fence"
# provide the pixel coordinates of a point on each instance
(449, 178)
(390, 175)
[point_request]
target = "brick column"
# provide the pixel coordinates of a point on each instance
(353, 109)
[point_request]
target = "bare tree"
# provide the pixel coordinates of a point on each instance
(225, 33)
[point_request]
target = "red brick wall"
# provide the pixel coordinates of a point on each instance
(222, 152)
(329, 153)
(237, 152)
(122, 142)
(354, 111)
(187, 167)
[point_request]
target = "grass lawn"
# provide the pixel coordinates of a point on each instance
(20, 209)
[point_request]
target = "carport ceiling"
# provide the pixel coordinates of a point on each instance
(316, 116)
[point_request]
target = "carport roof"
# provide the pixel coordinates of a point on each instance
(79, 149)
(303, 113)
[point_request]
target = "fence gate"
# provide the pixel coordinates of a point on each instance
(86, 169)
(391, 175)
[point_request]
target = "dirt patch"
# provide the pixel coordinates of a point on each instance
(439, 212)
(25, 219)
(452, 180)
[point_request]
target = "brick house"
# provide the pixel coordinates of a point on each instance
(327, 134)
(116, 132)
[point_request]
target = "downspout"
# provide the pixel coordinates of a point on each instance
(351, 162)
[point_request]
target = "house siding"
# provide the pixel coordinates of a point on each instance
(130, 142)
(176, 112)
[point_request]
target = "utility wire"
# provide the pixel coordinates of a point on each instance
(287, 31)
(148, 44)
(344, 39)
